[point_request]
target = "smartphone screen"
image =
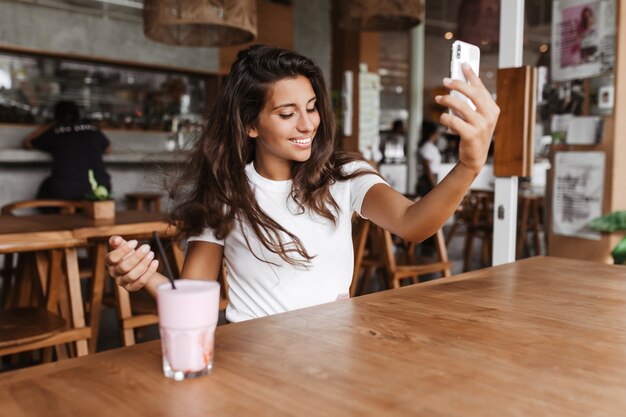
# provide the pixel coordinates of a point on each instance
(463, 52)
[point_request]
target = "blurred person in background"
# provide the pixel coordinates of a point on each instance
(393, 148)
(430, 156)
(76, 147)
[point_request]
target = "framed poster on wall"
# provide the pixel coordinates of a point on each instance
(578, 193)
(583, 38)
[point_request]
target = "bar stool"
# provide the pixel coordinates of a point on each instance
(144, 201)
(530, 219)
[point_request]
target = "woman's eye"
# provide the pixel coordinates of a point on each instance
(311, 110)
(285, 116)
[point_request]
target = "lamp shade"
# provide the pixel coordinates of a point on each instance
(377, 15)
(200, 22)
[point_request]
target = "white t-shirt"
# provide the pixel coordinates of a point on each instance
(257, 288)
(430, 152)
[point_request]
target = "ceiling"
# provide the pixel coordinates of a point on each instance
(441, 16)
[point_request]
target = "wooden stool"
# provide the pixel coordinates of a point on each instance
(144, 201)
(530, 205)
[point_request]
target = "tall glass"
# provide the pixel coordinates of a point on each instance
(187, 320)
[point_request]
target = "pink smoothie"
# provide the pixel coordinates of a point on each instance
(187, 320)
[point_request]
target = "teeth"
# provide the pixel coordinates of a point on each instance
(301, 141)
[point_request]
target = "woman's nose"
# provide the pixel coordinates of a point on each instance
(305, 124)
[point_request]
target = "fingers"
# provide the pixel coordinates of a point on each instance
(116, 241)
(475, 90)
(143, 279)
(131, 268)
(457, 124)
(117, 254)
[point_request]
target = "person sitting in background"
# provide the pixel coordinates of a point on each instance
(430, 157)
(76, 147)
(393, 148)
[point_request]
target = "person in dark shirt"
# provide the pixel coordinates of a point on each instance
(76, 147)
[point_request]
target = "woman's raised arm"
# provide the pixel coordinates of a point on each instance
(417, 221)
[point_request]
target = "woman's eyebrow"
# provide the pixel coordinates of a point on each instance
(292, 104)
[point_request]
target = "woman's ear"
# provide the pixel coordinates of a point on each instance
(252, 132)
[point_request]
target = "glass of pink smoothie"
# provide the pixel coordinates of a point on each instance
(187, 320)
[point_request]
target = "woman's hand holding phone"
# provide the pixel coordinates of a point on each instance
(475, 127)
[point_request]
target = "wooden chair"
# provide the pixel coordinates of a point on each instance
(374, 249)
(480, 225)
(462, 216)
(28, 328)
(144, 201)
(16, 291)
(417, 266)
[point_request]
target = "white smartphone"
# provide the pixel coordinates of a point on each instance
(463, 52)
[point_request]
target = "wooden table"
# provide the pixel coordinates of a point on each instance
(539, 337)
(129, 224)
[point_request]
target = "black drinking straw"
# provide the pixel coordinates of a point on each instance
(168, 270)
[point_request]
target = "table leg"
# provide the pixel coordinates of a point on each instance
(97, 289)
(76, 298)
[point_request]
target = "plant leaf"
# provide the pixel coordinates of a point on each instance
(609, 222)
(619, 253)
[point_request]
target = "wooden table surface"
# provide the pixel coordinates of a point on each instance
(539, 337)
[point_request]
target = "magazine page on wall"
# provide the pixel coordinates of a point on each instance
(583, 38)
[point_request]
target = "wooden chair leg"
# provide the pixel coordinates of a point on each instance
(76, 297)
(25, 280)
(395, 282)
(97, 289)
(124, 312)
(8, 273)
(521, 240)
(537, 228)
(469, 238)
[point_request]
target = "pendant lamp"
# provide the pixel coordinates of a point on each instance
(378, 15)
(200, 22)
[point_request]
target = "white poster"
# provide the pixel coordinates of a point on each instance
(583, 38)
(369, 114)
(578, 192)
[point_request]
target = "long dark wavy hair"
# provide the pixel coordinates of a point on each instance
(213, 190)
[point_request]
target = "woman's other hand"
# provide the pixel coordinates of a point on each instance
(129, 266)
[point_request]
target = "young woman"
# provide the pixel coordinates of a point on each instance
(267, 192)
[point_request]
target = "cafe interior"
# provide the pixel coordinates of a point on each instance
(516, 305)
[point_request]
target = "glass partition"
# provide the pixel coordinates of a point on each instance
(113, 96)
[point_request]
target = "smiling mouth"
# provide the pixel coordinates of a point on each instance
(303, 141)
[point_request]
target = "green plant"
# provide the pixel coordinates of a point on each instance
(98, 192)
(613, 222)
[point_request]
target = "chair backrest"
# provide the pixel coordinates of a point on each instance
(390, 254)
(64, 206)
